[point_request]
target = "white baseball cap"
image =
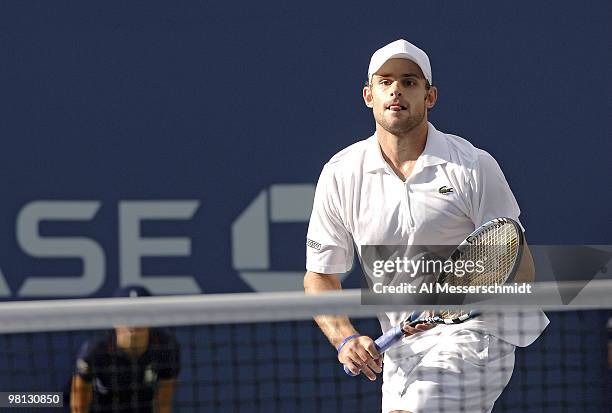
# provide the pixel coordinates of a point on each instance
(400, 49)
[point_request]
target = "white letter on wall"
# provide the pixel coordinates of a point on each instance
(88, 250)
(133, 247)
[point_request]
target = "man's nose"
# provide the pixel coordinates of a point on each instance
(395, 90)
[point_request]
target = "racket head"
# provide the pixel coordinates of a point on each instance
(498, 244)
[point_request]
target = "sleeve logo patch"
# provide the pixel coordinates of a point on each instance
(313, 244)
(82, 366)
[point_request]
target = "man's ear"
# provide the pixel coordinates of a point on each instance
(431, 97)
(367, 96)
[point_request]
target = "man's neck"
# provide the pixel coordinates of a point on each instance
(402, 151)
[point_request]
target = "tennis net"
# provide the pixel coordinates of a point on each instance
(263, 352)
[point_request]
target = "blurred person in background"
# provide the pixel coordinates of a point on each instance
(129, 369)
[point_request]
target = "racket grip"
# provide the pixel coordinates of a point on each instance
(389, 338)
(383, 343)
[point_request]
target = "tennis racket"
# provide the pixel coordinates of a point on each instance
(498, 245)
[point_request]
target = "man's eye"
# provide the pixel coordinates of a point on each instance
(409, 82)
(384, 82)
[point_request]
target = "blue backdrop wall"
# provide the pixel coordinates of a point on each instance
(205, 125)
(176, 144)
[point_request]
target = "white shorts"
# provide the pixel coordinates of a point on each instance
(462, 371)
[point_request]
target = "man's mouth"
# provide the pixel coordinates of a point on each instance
(396, 107)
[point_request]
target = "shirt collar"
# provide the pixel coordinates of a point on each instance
(435, 153)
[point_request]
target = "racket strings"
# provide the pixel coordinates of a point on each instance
(496, 249)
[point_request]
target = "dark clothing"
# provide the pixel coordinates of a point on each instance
(123, 384)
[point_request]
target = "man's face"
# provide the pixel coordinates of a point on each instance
(132, 338)
(399, 97)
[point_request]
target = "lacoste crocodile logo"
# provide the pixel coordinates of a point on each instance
(445, 190)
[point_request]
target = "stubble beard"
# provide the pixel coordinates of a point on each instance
(404, 127)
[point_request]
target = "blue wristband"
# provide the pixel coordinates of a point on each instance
(346, 340)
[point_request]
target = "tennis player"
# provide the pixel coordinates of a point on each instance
(131, 369)
(410, 184)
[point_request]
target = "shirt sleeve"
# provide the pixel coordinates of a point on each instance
(491, 194)
(329, 245)
(169, 358)
(84, 363)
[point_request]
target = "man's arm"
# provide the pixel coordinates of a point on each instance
(526, 270)
(359, 354)
(163, 396)
(81, 395)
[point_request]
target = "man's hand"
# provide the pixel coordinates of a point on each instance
(360, 355)
(418, 328)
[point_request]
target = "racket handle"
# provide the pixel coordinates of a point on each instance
(383, 343)
(389, 338)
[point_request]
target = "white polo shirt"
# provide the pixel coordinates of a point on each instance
(360, 201)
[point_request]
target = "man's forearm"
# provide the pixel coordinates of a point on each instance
(163, 396)
(335, 327)
(81, 394)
